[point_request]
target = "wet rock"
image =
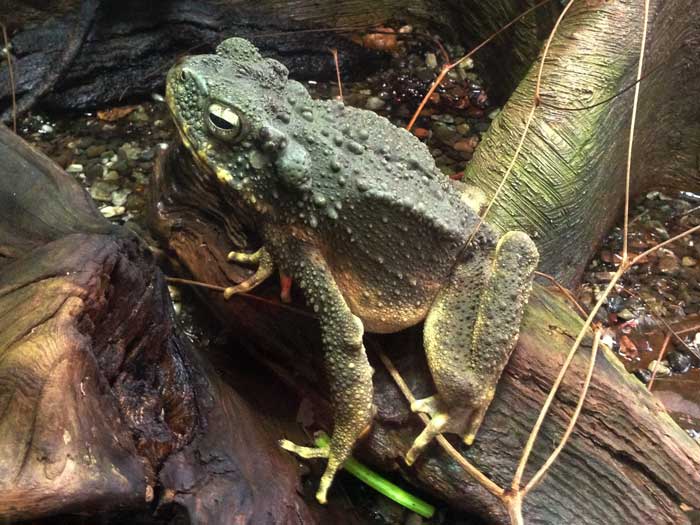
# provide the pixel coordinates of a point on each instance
(467, 145)
(374, 103)
(130, 151)
(102, 191)
(662, 368)
(668, 263)
(95, 171)
(431, 61)
(112, 211)
(75, 168)
(643, 375)
(95, 150)
(688, 261)
(119, 197)
(678, 362)
(463, 128)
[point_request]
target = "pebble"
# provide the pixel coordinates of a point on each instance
(643, 375)
(668, 264)
(463, 128)
(678, 362)
(374, 103)
(688, 261)
(662, 370)
(111, 176)
(466, 145)
(131, 152)
(102, 191)
(119, 197)
(45, 128)
(95, 150)
(75, 168)
(431, 61)
(112, 211)
(95, 171)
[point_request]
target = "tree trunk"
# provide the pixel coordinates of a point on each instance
(104, 405)
(614, 468)
(567, 186)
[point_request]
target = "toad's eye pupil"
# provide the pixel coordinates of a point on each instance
(220, 122)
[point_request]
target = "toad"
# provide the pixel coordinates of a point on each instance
(355, 211)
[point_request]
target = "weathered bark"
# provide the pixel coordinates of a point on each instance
(615, 468)
(103, 404)
(133, 43)
(567, 186)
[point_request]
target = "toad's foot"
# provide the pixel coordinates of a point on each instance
(464, 421)
(265, 269)
(469, 334)
(311, 453)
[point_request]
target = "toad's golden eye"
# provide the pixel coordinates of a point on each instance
(224, 123)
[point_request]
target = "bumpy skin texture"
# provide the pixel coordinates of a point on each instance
(355, 211)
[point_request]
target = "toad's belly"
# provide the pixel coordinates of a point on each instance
(386, 303)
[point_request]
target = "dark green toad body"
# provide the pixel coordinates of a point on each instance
(355, 211)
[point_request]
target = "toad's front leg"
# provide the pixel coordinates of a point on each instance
(469, 334)
(345, 360)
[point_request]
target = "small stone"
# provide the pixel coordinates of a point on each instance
(75, 168)
(466, 64)
(668, 264)
(374, 103)
(147, 154)
(431, 61)
(119, 196)
(112, 211)
(463, 128)
(111, 176)
(121, 166)
(95, 171)
(688, 261)
(678, 362)
(45, 128)
(467, 145)
(446, 118)
(625, 314)
(421, 133)
(662, 369)
(131, 152)
(102, 191)
(95, 150)
(643, 375)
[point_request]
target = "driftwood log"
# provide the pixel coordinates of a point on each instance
(104, 405)
(627, 461)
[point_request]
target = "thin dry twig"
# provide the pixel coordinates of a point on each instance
(334, 52)
(635, 103)
(10, 74)
(662, 353)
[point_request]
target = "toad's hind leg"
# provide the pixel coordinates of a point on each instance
(469, 334)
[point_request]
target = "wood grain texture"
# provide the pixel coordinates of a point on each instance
(104, 405)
